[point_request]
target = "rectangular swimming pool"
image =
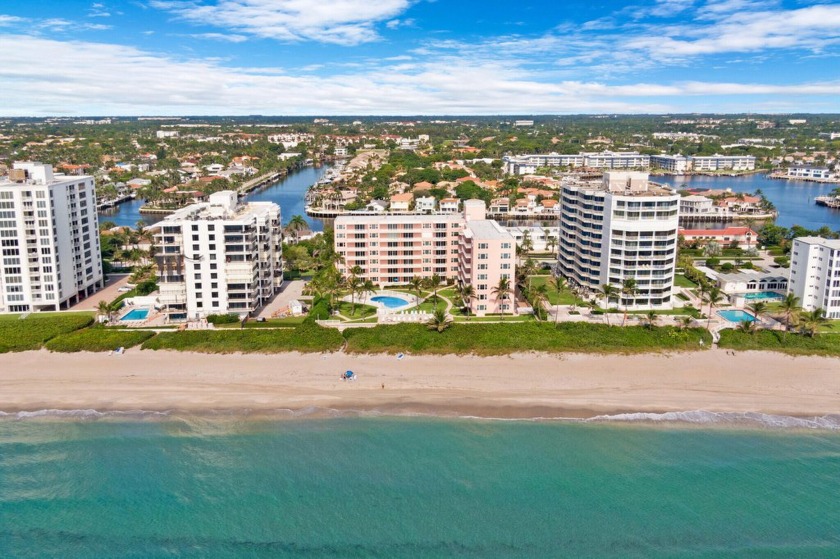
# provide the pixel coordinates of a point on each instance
(135, 314)
(763, 296)
(736, 316)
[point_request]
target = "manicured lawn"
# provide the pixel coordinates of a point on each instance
(775, 340)
(36, 329)
(681, 281)
(308, 337)
(97, 338)
(565, 297)
(361, 311)
(499, 339)
(429, 304)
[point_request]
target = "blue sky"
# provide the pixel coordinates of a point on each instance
(408, 57)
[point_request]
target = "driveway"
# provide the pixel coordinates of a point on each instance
(108, 293)
(291, 290)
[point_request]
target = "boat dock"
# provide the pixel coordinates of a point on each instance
(109, 203)
(832, 202)
(262, 180)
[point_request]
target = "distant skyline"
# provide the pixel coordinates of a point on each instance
(415, 57)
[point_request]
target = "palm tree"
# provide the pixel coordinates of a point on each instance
(527, 244)
(103, 308)
(758, 308)
(685, 322)
(790, 307)
(713, 297)
(651, 318)
(367, 287)
(526, 270)
(550, 242)
(747, 326)
(811, 321)
(628, 291)
(354, 284)
(296, 225)
(558, 283)
(501, 291)
(433, 283)
(539, 297)
(467, 294)
(608, 292)
(416, 284)
(440, 321)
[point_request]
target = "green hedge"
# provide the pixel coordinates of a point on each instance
(229, 318)
(499, 339)
(97, 339)
(775, 340)
(308, 337)
(36, 329)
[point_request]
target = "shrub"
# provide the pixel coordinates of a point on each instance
(712, 262)
(97, 338)
(500, 339)
(782, 261)
(308, 337)
(36, 329)
(229, 318)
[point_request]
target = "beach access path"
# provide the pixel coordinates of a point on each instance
(519, 385)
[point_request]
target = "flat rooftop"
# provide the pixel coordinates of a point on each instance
(828, 243)
(487, 229)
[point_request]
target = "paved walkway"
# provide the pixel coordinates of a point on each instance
(291, 290)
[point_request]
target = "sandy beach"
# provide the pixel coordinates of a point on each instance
(518, 386)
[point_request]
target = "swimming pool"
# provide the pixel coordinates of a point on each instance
(135, 314)
(763, 296)
(390, 301)
(736, 316)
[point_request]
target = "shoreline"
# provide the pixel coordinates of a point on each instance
(515, 387)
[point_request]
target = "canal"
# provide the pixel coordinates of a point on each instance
(288, 192)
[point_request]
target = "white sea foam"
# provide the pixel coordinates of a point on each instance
(703, 417)
(693, 417)
(81, 414)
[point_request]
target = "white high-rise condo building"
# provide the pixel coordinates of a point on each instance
(722, 162)
(218, 257)
(49, 234)
(815, 274)
(623, 228)
(528, 164)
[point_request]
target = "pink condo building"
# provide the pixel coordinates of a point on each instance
(391, 249)
(487, 254)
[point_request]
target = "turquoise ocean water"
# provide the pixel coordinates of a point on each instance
(413, 487)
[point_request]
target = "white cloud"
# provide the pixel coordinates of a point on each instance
(397, 23)
(49, 76)
(344, 22)
(98, 9)
(6, 21)
(225, 37)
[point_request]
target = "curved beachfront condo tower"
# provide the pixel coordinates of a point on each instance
(624, 227)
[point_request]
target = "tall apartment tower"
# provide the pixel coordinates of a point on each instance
(487, 254)
(218, 257)
(49, 234)
(815, 274)
(624, 228)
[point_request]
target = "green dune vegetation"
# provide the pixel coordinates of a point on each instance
(97, 338)
(33, 331)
